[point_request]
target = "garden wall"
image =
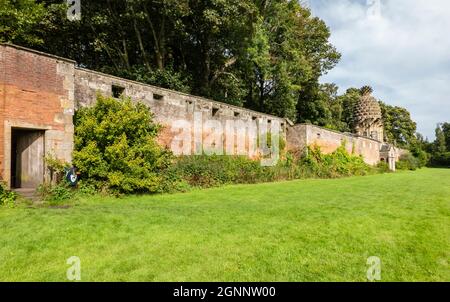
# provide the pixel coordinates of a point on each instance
(166, 105)
(303, 135)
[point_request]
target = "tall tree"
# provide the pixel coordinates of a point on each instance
(399, 128)
(322, 107)
(215, 40)
(440, 145)
(289, 52)
(446, 130)
(348, 101)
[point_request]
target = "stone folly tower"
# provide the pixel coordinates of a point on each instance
(367, 116)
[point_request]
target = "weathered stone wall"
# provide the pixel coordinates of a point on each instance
(41, 91)
(303, 135)
(166, 105)
(36, 92)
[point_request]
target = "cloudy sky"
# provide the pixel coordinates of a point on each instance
(399, 47)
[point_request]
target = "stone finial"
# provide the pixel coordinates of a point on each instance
(368, 116)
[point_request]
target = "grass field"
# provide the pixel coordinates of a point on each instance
(309, 230)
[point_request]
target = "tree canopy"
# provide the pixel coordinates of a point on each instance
(261, 54)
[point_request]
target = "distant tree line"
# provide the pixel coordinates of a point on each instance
(264, 55)
(440, 149)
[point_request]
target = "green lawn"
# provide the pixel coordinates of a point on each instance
(309, 230)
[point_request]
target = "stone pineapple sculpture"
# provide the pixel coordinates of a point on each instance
(367, 115)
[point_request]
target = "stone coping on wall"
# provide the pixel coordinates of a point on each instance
(5, 44)
(340, 133)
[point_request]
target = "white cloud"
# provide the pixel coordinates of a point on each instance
(404, 53)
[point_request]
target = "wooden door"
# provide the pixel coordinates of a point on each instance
(29, 171)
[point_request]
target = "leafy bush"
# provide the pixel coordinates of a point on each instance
(408, 162)
(85, 188)
(211, 171)
(7, 197)
(56, 168)
(116, 148)
(423, 158)
(166, 78)
(56, 194)
(383, 167)
(337, 164)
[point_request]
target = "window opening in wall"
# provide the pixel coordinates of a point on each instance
(254, 118)
(158, 97)
(215, 111)
(318, 135)
(117, 91)
(236, 114)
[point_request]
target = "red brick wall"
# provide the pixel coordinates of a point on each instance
(30, 92)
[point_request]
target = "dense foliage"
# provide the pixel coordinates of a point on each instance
(116, 148)
(435, 154)
(19, 20)
(408, 162)
(54, 194)
(210, 171)
(270, 58)
(7, 197)
(440, 149)
(264, 55)
(399, 128)
(337, 164)
(440, 160)
(336, 112)
(260, 54)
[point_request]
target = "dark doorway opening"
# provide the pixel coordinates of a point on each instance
(27, 158)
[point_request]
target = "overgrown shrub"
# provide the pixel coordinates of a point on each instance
(56, 194)
(116, 150)
(383, 167)
(85, 188)
(423, 158)
(408, 162)
(211, 171)
(116, 147)
(56, 168)
(166, 78)
(337, 164)
(7, 197)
